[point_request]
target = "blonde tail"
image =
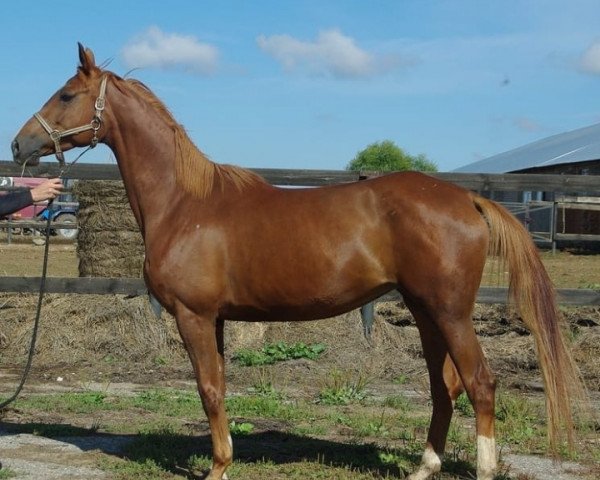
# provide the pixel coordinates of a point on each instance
(531, 290)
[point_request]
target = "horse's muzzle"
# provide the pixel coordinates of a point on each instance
(15, 149)
(23, 153)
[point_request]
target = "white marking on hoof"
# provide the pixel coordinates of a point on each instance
(212, 474)
(486, 458)
(430, 463)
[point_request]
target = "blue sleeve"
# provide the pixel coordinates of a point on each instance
(13, 201)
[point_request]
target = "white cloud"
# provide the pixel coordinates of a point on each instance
(331, 53)
(157, 49)
(590, 60)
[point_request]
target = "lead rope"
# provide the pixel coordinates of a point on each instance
(41, 293)
(36, 323)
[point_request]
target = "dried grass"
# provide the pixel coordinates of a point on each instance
(109, 243)
(81, 330)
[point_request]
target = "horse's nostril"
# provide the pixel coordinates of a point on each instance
(15, 148)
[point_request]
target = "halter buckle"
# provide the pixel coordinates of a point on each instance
(55, 136)
(100, 102)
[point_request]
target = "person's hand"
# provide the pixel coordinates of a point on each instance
(47, 190)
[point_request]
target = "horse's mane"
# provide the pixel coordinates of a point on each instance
(195, 172)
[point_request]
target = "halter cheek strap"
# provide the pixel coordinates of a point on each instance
(94, 125)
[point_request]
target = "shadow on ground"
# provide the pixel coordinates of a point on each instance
(172, 451)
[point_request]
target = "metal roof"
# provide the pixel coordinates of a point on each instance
(578, 145)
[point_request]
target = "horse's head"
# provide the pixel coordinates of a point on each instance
(72, 117)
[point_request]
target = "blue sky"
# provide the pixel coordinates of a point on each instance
(308, 84)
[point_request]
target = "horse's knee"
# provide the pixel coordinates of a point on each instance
(212, 399)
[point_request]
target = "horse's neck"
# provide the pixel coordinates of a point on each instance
(144, 148)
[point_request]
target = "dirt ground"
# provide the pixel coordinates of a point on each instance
(146, 351)
(23, 258)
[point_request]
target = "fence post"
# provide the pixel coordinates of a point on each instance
(553, 226)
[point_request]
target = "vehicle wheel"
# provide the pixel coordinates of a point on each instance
(38, 237)
(67, 233)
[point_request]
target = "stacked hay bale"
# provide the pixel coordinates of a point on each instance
(109, 243)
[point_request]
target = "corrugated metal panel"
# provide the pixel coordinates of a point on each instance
(578, 145)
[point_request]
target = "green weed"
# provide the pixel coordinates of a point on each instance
(278, 352)
(244, 428)
(341, 389)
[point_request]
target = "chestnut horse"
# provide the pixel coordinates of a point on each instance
(221, 243)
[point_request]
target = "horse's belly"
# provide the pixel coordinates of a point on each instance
(303, 303)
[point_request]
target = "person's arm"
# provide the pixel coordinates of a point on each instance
(13, 201)
(47, 190)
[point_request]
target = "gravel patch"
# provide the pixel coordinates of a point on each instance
(31, 457)
(539, 468)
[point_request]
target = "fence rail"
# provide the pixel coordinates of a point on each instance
(276, 176)
(136, 286)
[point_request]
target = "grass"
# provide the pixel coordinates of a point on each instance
(83, 402)
(279, 437)
(7, 473)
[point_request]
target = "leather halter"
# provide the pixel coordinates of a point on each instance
(94, 125)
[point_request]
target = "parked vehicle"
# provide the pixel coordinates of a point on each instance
(62, 210)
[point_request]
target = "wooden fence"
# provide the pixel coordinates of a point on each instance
(478, 182)
(136, 287)
(309, 178)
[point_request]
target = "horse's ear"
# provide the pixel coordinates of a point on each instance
(86, 58)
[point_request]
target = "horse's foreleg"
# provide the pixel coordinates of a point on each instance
(445, 388)
(203, 339)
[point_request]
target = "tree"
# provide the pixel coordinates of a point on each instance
(386, 156)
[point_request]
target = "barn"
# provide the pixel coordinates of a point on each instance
(568, 216)
(576, 153)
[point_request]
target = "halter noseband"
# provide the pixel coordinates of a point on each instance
(94, 125)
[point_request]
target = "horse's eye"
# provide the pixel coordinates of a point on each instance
(66, 97)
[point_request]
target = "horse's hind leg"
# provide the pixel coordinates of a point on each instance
(203, 339)
(449, 330)
(480, 385)
(445, 388)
